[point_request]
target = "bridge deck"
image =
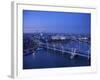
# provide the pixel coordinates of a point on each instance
(65, 50)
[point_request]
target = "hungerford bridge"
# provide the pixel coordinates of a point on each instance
(59, 48)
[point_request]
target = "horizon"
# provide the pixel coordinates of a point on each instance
(56, 22)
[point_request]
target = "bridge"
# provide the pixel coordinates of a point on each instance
(46, 45)
(72, 51)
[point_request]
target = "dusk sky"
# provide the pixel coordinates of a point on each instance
(59, 22)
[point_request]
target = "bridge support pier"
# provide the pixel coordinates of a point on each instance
(73, 53)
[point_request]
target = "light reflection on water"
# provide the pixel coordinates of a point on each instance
(51, 59)
(44, 58)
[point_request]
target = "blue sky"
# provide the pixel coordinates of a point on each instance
(59, 22)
